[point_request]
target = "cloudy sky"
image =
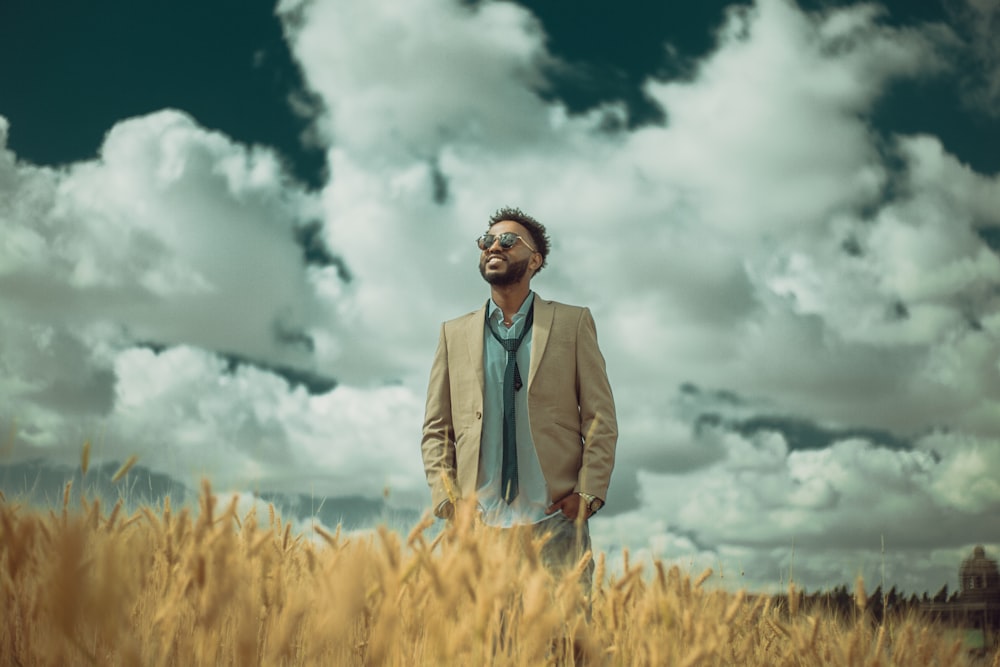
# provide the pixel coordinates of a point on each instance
(229, 232)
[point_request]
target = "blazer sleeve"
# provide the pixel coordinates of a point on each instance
(438, 442)
(598, 422)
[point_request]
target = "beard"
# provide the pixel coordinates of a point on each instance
(515, 271)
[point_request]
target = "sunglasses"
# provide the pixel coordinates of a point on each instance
(507, 240)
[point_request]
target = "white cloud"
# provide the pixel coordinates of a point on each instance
(179, 237)
(769, 137)
(175, 233)
(264, 434)
(970, 470)
(400, 80)
(845, 499)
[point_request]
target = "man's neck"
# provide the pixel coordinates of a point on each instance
(510, 298)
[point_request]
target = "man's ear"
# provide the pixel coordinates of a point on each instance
(535, 262)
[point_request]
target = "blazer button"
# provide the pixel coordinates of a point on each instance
(479, 415)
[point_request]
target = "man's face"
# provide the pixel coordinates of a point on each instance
(500, 266)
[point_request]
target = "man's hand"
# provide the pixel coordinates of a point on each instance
(570, 506)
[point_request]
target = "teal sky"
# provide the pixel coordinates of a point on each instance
(230, 231)
(68, 71)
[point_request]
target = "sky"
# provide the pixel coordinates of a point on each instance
(230, 231)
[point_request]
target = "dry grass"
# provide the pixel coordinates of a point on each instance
(90, 587)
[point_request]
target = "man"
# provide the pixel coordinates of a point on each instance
(520, 414)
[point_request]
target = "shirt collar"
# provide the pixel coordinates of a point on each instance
(496, 313)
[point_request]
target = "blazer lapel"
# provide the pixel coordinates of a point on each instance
(545, 312)
(474, 333)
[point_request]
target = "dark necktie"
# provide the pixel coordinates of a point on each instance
(511, 384)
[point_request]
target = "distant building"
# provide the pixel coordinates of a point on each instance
(979, 579)
(977, 602)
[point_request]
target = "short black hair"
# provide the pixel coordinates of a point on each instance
(535, 228)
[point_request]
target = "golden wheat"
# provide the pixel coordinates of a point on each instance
(160, 587)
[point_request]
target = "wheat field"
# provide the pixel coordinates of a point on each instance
(89, 586)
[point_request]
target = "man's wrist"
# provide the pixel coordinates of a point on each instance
(590, 501)
(445, 509)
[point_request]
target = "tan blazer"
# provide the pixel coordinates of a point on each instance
(570, 407)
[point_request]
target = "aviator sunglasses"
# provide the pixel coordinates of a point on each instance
(507, 240)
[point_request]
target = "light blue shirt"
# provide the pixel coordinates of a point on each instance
(533, 496)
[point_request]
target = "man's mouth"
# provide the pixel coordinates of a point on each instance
(494, 260)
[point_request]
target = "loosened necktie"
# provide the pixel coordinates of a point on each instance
(511, 384)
